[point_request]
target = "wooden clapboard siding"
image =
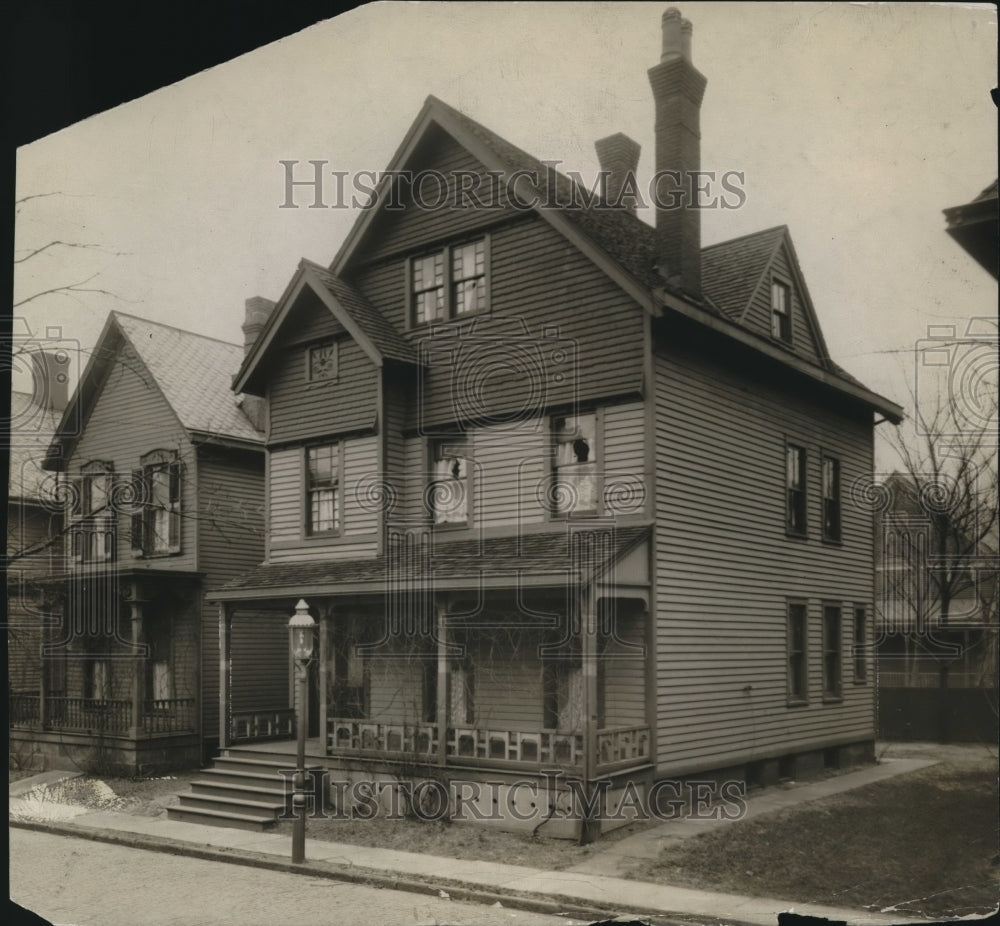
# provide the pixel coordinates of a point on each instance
(413, 507)
(301, 410)
(399, 391)
(260, 663)
(725, 567)
(758, 315)
(307, 321)
(509, 474)
(231, 541)
(129, 418)
(24, 647)
(627, 486)
(624, 670)
(414, 227)
(570, 308)
(360, 513)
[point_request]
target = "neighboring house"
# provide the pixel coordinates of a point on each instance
(562, 490)
(936, 622)
(34, 527)
(160, 484)
(974, 226)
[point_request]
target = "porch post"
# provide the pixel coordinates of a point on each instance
(442, 682)
(43, 672)
(225, 669)
(589, 829)
(138, 660)
(326, 612)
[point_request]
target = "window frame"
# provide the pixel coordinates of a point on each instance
(446, 252)
(791, 530)
(338, 500)
(553, 512)
(838, 535)
(780, 284)
(435, 446)
(832, 692)
(860, 655)
(87, 523)
(144, 519)
(793, 698)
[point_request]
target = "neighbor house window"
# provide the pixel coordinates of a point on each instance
(156, 525)
(93, 535)
(574, 488)
(796, 633)
(781, 313)
(795, 489)
(323, 489)
(450, 489)
(831, 498)
(321, 362)
(831, 651)
(97, 679)
(449, 282)
(860, 643)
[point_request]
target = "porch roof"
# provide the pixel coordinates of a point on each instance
(535, 559)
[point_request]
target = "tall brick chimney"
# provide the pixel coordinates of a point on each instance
(258, 311)
(619, 158)
(678, 89)
(51, 375)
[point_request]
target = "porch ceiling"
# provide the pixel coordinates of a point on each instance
(531, 559)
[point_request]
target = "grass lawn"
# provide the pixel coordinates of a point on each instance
(921, 843)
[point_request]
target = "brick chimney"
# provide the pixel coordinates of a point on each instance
(51, 375)
(258, 311)
(619, 158)
(678, 89)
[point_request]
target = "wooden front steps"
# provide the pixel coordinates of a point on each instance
(242, 789)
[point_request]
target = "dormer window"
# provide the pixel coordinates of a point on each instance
(449, 282)
(781, 311)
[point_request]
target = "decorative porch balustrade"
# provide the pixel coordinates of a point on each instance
(615, 745)
(248, 726)
(101, 716)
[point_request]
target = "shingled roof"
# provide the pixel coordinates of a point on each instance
(540, 559)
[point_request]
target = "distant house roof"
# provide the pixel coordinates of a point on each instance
(542, 559)
(31, 430)
(193, 372)
(974, 226)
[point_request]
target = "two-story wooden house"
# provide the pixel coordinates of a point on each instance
(157, 469)
(563, 491)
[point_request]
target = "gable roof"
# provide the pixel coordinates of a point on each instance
(732, 270)
(192, 372)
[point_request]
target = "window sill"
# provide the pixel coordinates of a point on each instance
(833, 541)
(796, 702)
(424, 327)
(796, 535)
(833, 699)
(451, 526)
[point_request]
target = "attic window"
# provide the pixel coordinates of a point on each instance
(781, 311)
(449, 282)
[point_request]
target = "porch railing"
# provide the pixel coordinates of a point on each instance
(247, 726)
(615, 745)
(89, 715)
(932, 679)
(25, 709)
(169, 715)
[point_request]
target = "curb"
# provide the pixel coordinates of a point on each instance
(457, 890)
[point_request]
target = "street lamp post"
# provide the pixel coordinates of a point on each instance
(300, 629)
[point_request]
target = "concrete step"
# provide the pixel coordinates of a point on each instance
(248, 792)
(259, 779)
(240, 805)
(241, 821)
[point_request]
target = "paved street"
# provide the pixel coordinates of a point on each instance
(80, 882)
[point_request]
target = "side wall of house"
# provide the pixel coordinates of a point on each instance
(726, 569)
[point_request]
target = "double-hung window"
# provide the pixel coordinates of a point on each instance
(450, 490)
(781, 311)
(796, 632)
(795, 489)
(156, 525)
(448, 282)
(93, 535)
(831, 498)
(831, 651)
(574, 489)
(323, 489)
(860, 645)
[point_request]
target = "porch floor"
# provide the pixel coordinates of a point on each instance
(314, 746)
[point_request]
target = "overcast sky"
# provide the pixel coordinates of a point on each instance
(855, 125)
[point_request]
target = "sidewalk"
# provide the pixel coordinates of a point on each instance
(585, 890)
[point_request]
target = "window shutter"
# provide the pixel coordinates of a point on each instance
(138, 514)
(174, 540)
